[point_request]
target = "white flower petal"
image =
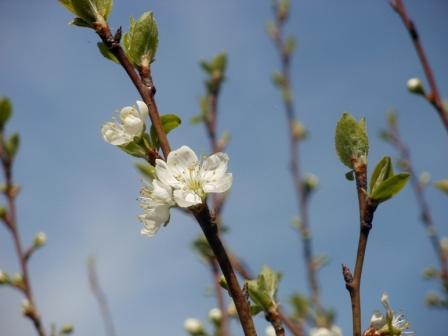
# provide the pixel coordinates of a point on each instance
(378, 320)
(132, 121)
(115, 134)
(153, 218)
(218, 185)
(214, 166)
(182, 159)
(162, 192)
(165, 174)
(143, 109)
(186, 198)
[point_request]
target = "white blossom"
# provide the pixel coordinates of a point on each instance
(270, 331)
(333, 331)
(192, 181)
(193, 325)
(40, 239)
(215, 315)
(415, 85)
(156, 199)
(389, 323)
(131, 124)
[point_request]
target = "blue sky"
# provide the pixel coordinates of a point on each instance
(82, 192)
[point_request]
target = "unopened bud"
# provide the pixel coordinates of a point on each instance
(39, 240)
(215, 315)
(4, 278)
(433, 300)
(17, 280)
(299, 131)
(270, 331)
(193, 326)
(424, 178)
(3, 213)
(231, 309)
(27, 308)
(444, 245)
(67, 329)
(310, 182)
(415, 86)
(430, 273)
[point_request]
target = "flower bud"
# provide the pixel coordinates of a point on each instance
(17, 280)
(231, 309)
(215, 315)
(39, 240)
(424, 178)
(67, 329)
(193, 326)
(299, 132)
(415, 86)
(27, 308)
(4, 278)
(270, 331)
(310, 181)
(444, 245)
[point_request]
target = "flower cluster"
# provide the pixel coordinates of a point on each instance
(388, 324)
(131, 125)
(181, 181)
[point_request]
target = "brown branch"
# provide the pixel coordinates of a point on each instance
(366, 211)
(202, 213)
(224, 323)
(302, 196)
(425, 213)
(10, 221)
(274, 318)
(100, 297)
(146, 92)
(433, 97)
(210, 230)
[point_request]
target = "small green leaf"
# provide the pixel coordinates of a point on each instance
(140, 43)
(169, 122)
(201, 246)
(219, 62)
(392, 118)
(5, 111)
(12, 145)
(134, 148)
(146, 170)
(301, 305)
(389, 188)
(278, 79)
(352, 143)
(263, 290)
(104, 50)
(442, 185)
(382, 171)
(350, 175)
(255, 310)
(88, 12)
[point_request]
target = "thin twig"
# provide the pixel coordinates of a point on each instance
(274, 318)
(425, 213)
(224, 323)
(433, 97)
(100, 298)
(302, 196)
(366, 211)
(10, 221)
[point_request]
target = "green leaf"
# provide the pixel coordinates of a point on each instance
(5, 111)
(263, 290)
(219, 62)
(134, 148)
(442, 185)
(88, 12)
(12, 145)
(352, 143)
(104, 50)
(146, 170)
(389, 188)
(201, 246)
(350, 175)
(169, 122)
(382, 171)
(255, 309)
(140, 43)
(301, 305)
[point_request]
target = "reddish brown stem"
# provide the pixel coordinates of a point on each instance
(11, 223)
(296, 174)
(434, 96)
(210, 230)
(353, 281)
(224, 323)
(274, 318)
(425, 213)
